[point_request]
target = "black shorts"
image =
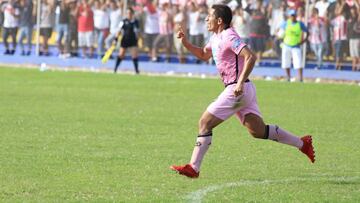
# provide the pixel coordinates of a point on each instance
(257, 44)
(46, 32)
(125, 43)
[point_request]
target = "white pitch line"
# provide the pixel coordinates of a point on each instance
(198, 195)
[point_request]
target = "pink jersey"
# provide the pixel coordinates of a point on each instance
(339, 28)
(225, 47)
(165, 23)
(317, 30)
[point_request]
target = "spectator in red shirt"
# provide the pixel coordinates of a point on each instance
(86, 28)
(295, 4)
(259, 29)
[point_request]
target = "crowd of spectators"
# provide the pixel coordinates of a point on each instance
(92, 26)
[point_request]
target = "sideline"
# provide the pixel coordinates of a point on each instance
(129, 71)
(198, 195)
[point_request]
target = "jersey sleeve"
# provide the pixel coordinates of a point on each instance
(303, 27)
(235, 43)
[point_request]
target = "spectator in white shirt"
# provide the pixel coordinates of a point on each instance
(322, 7)
(11, 23)
(46, 24)
(101, 24)
(115, 19)
(196, 25)
(166, 31)
(151, 25)
(241, 24)
(180, 20)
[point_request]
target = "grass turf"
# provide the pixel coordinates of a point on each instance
(73, 136)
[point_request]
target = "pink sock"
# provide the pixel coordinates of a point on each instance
(279, 135)
(202, 145)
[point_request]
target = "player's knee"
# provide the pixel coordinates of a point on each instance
(204, 125)
(256, 134)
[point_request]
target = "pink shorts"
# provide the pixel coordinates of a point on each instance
(227, 104)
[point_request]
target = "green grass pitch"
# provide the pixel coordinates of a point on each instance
(86, 137)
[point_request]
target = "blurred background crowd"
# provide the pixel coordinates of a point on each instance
(87, 28)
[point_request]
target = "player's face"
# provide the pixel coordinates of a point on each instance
(212, 21)
(129, 14)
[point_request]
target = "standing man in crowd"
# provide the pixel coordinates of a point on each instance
(46, 25)
(62, 28)
(101, 25)
(115, 14)
(259, 29)
(180, 22)
(86, 28)
(151, 25)
(354, 37)
(294, 37)
(235, 62)
(27, 12)
(11, 24)
(166, 31)
(317, 28)
(339, 26)
(196, 25)
(73, 42)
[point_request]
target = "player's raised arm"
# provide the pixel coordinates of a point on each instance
(199, 52)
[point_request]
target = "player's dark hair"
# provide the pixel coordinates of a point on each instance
(131, 10)
(223, 12)
(315, 10)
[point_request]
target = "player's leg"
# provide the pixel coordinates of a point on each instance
(157, 41)
(286, 61)
(357, 53)
(134, 56)
(258, 129)
(217, 112)
(5, 35)
(297, 61)
(91, 40)
(109, 40)
(21, 38)
(81, 42)
(13, 37)
(120, 57)
(206, 123)
(45, 44)
(59, 37)
(28, 38)
(352, 42)
(250, 117)
(338, 54)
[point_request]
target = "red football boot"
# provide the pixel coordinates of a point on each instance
(308, 148)
(186, 170)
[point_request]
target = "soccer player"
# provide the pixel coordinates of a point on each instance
(234, 62)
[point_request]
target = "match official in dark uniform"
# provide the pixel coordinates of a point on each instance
(129, 29)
